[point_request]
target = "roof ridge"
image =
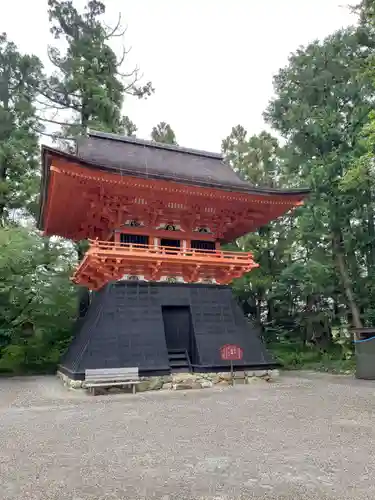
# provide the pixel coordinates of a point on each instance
(157, 145)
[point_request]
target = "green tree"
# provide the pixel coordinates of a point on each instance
(19, 150)
(366, 12)
(37, 303)
(129, 128)
(88, 80)
(359, 179)
(320, 108)
(259, 159)
(163, 133)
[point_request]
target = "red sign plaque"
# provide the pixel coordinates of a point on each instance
(231, 352)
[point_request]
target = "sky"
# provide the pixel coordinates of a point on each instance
(211, 62)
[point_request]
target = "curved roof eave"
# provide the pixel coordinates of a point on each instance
(47, 152)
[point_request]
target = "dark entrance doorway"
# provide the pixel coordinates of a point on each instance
(178, 336)
(177, 327)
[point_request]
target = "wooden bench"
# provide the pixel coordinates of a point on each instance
(111, 377)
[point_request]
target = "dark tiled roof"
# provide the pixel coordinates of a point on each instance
(130, 156)
(148, 158)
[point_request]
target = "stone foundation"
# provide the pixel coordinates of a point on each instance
(185, 381)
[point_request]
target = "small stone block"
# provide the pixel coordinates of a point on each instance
(205, 384)
(240, 381)
(182, 386)
(259, 373)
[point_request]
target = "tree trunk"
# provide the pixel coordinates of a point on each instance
(259, 310)
(371, 234)
(270, 310)
(6, 130)
(345, 279)
(308, 335)
(3, 180)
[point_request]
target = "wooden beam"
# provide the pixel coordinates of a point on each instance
(161, 233)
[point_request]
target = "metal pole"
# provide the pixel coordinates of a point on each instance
(231, 371)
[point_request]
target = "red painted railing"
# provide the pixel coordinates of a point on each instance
(122, 249)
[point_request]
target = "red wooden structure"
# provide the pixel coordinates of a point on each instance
(155, 217)
(152, 224)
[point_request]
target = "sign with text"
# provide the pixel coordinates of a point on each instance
(231, 352)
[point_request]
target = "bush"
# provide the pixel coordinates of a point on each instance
(296, 356)
(37, 301)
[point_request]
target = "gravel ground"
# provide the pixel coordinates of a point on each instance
(306, 436)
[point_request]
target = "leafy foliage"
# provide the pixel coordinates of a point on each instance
(163, 133)
(19, 148)
(37, 301)
(321, 108)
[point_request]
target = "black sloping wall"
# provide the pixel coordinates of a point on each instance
(219, 320)
(124, 327)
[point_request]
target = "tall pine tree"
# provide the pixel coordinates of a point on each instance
(88, 82)
(19, 150)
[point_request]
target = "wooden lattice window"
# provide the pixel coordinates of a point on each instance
(135, 239)
(203, 245)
